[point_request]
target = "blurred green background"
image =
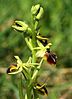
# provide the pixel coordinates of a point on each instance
(56, 25)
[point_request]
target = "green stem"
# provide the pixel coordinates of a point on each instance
(20, 88)
(34, 45)
(35, 73)
(29, 88)
(28, 91)
(29, 82)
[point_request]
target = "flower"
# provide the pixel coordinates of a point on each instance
(15, 68)
(20, 66)
(42, 49)
(41, 89)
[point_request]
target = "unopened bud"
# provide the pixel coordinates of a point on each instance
(39, 15)
(21, 26)
(34, 9)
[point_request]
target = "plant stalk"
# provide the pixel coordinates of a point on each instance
(20, 88)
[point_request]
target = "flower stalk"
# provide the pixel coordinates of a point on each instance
(20, 88)
(40, 48)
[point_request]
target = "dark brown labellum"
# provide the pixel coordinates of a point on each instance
(50, 57)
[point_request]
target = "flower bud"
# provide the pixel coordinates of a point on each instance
(21, 26)
(37, 11)
(39, 15)
(34, 9)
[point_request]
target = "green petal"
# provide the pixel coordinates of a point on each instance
(18, 60)
(40, 44)
(40, 53)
